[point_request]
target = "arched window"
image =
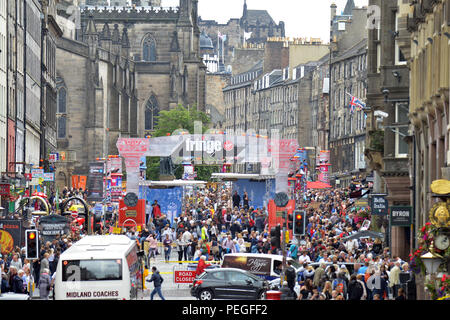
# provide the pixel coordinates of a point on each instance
(62, 99)
(151, 113)
(149, 49)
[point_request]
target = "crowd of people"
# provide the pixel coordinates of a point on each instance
(216, 221)
(22, 275)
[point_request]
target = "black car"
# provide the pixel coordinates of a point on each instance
(228, 283)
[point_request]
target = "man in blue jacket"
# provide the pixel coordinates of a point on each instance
(157, 282)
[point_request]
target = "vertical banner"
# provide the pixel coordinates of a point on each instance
(324, 164)
(132, 150)
(95, 181)
(281, 152)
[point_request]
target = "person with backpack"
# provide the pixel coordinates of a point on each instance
(157, 282)
(340, 284)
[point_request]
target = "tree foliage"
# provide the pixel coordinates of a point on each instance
(180, 118)
(171, 121)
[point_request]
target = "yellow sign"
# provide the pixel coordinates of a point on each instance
(287, 236)
(138, 228)
(362, 203)
(117, 230)
(440, 187)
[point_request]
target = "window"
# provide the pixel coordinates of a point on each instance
(237, 277)
(402, 121)
(151, 113)
(61, 127)
(149, 49)
(62, 97)
(399, 57)
(92, 270)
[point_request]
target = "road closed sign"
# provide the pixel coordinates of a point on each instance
(184, 276)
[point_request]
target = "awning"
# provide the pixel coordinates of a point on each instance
(317, 185)
(365, 234)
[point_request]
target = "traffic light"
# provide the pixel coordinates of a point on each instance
(31, 244)
(299, 222)
(275, 237)
(290, 221)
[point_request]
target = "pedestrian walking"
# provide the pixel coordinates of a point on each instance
(152, 247)
(44, 284)
(157, 282)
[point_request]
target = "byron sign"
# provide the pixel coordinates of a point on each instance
(400, 216)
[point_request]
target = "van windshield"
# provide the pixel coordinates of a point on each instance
(92, 270)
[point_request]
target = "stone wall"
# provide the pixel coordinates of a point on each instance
(276, 55)
(214, 94)
(245, 59)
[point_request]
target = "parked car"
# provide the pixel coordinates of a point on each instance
(228, 283)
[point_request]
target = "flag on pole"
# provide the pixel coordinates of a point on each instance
(356, 103)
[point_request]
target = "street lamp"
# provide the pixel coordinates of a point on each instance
(431, 262)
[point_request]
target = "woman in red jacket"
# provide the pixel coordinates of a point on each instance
(201, 266)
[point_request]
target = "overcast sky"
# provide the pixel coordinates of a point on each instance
(303, 18)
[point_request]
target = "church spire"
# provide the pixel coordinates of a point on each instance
(349, 7)
(244, 14)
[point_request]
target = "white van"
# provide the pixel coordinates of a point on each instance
(99, 268)
(266, 266)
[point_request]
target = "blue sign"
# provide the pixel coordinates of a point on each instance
(170, 200)
(259, 192)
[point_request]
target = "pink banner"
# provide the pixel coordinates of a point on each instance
(132, 148)
(283, 153)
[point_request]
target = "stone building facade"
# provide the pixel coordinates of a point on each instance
(387, 150)
(348, 70)
(320, 90)
(429, 108)
(50, 33)
(273, 96)
(3, 84)
(133, 62)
